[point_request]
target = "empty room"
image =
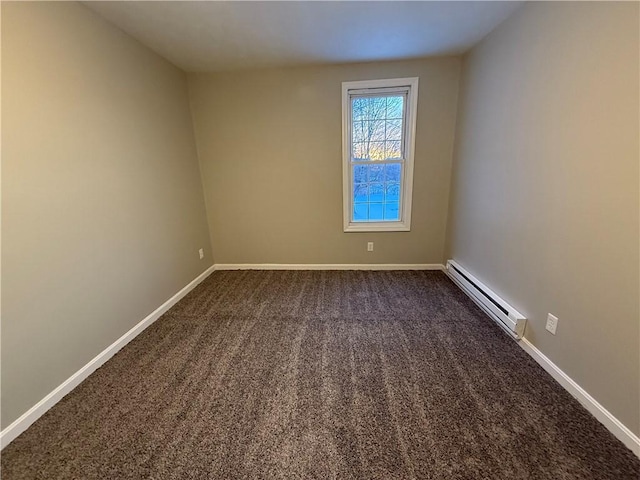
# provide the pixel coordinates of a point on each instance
(320, 240)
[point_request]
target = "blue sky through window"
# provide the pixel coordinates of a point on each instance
(376, 128)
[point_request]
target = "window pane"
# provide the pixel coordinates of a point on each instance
(395, 107)
(360, 212)
(368, 108)
(392, 172)
(360, 193)
(376, 173)
(359, 151)
(376, 128)
(376, 192)
(392, 150)
(359, 127)
(358, 108)
(360, 173)
(391, 211)
(393, 130)
(392, 192)
(375, 212)
(376, 150)
(376, 108)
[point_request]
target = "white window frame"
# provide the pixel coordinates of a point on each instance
(370, 87)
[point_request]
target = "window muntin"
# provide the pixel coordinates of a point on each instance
(378, 153)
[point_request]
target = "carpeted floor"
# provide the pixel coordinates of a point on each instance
(314, 375)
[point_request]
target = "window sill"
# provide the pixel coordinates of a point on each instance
(377, 227)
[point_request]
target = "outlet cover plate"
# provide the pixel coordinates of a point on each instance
(552, 323)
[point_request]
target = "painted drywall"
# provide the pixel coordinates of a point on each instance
(269, 144)
(102, 203)
(544, 200)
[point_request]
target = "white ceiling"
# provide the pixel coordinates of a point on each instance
(214, 36)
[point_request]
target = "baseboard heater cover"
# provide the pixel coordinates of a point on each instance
(512, 321)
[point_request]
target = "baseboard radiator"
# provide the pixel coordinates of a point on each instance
(512, 321)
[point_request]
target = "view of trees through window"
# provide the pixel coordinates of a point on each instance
(377, 136)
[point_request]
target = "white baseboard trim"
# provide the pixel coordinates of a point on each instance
(605, 417)
(329, 266)
(21, 424)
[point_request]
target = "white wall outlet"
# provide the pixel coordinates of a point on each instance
(201, 252)
(369, 246)
(552, 323)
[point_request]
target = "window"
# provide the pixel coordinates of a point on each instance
(379, 123)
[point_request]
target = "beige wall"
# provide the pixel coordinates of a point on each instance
(544, 203)
(270, 152)
(102, 205)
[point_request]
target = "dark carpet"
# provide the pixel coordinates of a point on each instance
(314, 375)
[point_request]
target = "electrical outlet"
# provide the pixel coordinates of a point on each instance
(552, 323)
(369, 246)
(201, 252)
